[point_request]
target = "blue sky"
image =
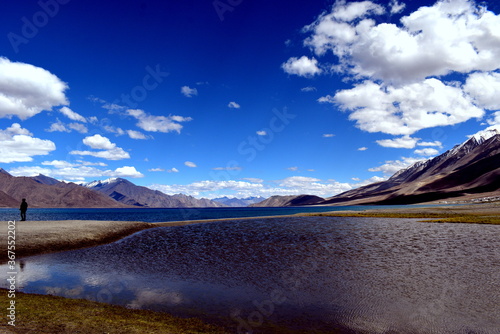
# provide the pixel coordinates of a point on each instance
(242, 98)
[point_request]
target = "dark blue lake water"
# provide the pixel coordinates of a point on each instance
(152, 215)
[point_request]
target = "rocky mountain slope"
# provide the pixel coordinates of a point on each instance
(472, 167)
(57, 195)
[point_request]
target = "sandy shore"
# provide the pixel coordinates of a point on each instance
(38, 237)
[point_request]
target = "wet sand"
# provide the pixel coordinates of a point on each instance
(38, 237)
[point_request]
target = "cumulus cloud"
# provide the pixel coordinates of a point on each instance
(400, 70)
(153, 123)
(18, 145)
(190, 164)
(484, 88)
(127, 171)
(362, 148)
(72, 115)
(26, 90)
(173, 170)
(401, 142)
(302, 66)
(108, 149)
(261, 133)
(234, 105)
(450, 36)
(406, 109)
(188, 91)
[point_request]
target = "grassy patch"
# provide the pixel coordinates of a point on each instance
(50, 314)
(436, 217)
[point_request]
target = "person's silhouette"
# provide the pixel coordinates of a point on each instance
(23, 208)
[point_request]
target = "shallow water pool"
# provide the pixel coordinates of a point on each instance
(357, 275)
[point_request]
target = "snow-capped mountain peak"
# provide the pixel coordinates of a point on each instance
(101, 182)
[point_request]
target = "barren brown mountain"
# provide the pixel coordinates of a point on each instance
(58, 195)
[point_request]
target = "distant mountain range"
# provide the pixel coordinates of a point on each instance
(128, 193)
(238, 202)
(468, 170)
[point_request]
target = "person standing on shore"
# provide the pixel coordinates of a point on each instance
(23, 209)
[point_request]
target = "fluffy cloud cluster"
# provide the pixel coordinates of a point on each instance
(188, 91)
(302, 66)
(401, 71)
(108, 150)
(158, 123)
(18, 145)
(26, 90)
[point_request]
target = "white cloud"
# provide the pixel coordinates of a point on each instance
(450, 36)
(303, 66)
(189, 92)
(494, 119)
(158, 123)
(392, 166)
(19, 145)
(399, 68)
(173, 170)
(190, 164)
(426, 152)
(72, 115)
(362, 148)
(109, 150)
(401, 142)
(328, 135)
(396, 7)
(308, 89)
(26, 90)
(484, 88)
(113, 129)
(127, 171)
(234, 105)
(58, 163)
(79, 127)
(348, 12)
(136, 134)
(406, 109)
(156, 170)
(261, 133)
(293, 169)
(62, 127)
(99, 142)
(75, 172)
(431, 143)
